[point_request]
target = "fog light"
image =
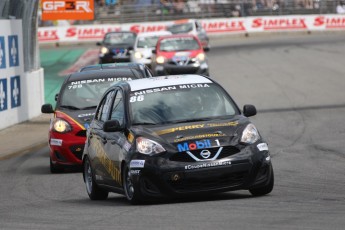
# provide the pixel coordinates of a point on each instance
(268, 158)
(175, 177)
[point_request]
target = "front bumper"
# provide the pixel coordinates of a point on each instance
(171, 69)
(162, 177)
(66, 149)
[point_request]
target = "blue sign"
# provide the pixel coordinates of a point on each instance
(15, 91)
(2, 53)
(13, 50)
(3, 94)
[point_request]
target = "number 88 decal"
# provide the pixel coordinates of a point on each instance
(136, 98)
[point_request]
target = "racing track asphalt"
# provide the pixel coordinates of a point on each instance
(297, 84)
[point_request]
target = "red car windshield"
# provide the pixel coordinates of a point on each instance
(179, 44)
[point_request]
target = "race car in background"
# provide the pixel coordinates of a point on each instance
(75, 106)
(143, 46)
(190, 26)
(116, 47)
(172, 136)
(179, 54)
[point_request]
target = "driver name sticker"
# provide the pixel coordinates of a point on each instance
(137, 164)
(262, 147)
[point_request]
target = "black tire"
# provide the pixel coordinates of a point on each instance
(261, 191)
(132, 194)
(54, 168)
(92, 189)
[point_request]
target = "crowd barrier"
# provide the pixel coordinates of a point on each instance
(245, 25)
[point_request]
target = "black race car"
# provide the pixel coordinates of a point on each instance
(116, 47)
(76, 104)
(172, 136)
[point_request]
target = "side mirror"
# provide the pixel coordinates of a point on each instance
(249, 110)
(206, 49)
(56, 96)
(98, 43)
(154, 51)
(47, 108)
(112, 126)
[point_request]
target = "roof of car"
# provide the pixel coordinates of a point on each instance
(164, 81)
(105, 73)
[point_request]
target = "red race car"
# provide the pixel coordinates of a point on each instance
(75, 107)
(179, 54)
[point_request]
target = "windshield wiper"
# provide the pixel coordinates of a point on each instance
(144, 123)
(89, 107)
(192, 120)
(69, 107)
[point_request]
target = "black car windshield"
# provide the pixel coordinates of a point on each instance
(147, 42)
(84, 94)
(119, 38)
(179, 44)
(180, 103)
(181, 28)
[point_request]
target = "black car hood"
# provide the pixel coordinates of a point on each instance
(225, 131)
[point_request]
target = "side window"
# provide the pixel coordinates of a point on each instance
(103, 111)
(118, 109)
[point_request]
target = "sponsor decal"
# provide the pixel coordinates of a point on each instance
(330, 22)
(108, 164)
(168, 88)
(279, 23)
(86, 115)
(186, 146)
(231, 123)
(147, 28)
(207, 165)
(134, 172)
(48, 35)
(127, 146)
(79, 84)
(90, 32)
(56, 142)
(137, 164)
(262, 147)
(201, 136)
(224, 26)
(71, 9)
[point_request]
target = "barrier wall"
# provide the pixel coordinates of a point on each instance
(21, 94)
(212, 26)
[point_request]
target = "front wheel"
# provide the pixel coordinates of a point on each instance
(261, 191)
(92, 189)
(132, 194)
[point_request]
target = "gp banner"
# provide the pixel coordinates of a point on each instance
(212, 26)
(67, 9)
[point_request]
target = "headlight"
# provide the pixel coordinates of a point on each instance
(138, 55)
(104, 50)
(250, 134)
(61, 126)
(147, 146)
(201, 57)
(160, 59)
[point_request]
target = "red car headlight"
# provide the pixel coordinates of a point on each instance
(61, 126)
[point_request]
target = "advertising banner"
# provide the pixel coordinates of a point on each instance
(67, 9)
(215, 26)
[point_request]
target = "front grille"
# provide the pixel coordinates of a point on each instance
(204, 182)
(184, 157)
(77, 150)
